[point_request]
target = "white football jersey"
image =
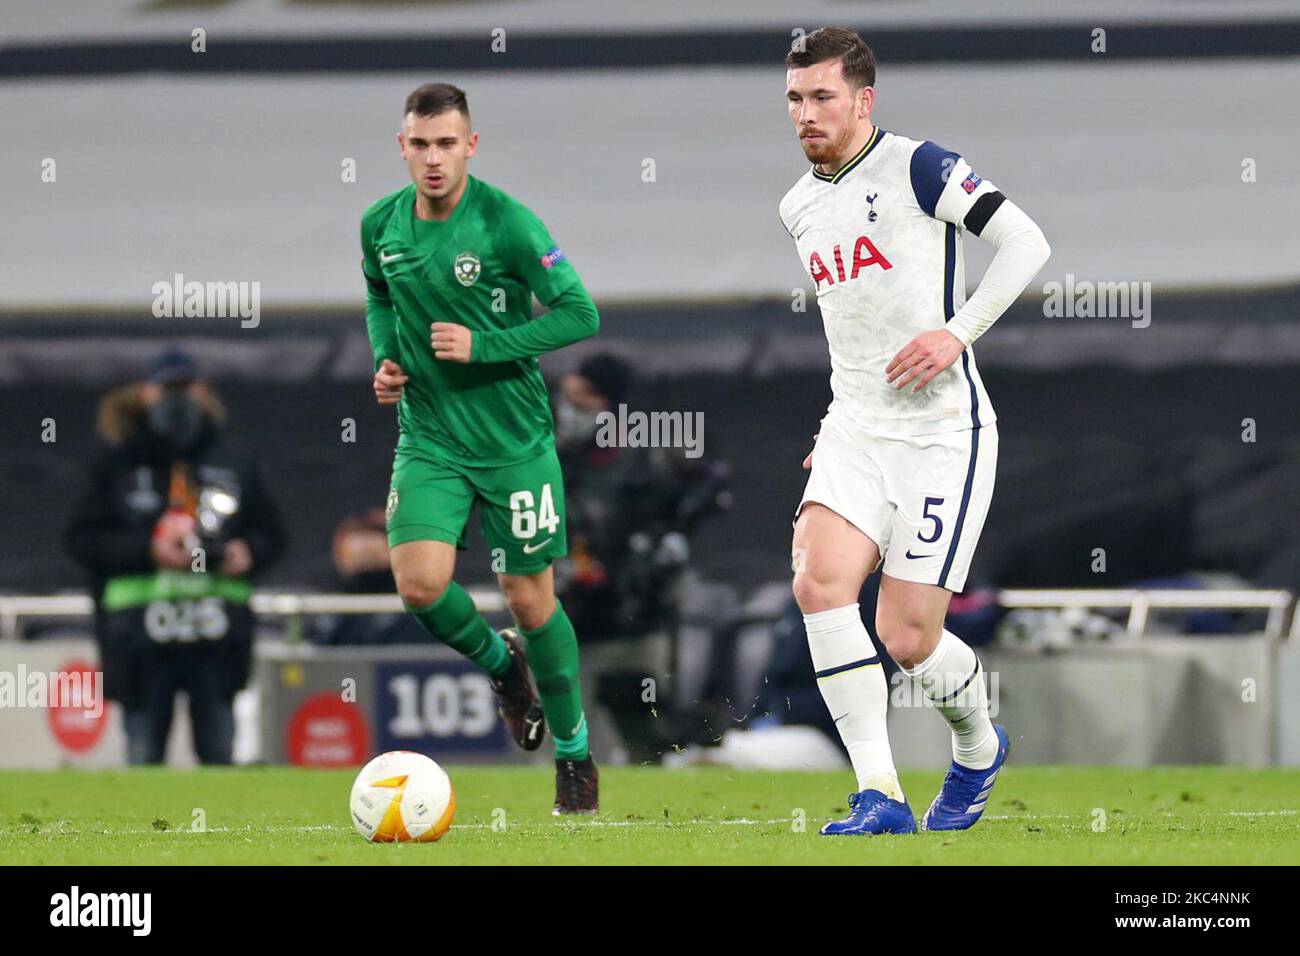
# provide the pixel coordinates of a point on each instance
(881, 241)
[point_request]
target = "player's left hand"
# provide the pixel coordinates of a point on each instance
(451, 341)
(921, 359)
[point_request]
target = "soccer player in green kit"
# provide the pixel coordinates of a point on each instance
(451, 266)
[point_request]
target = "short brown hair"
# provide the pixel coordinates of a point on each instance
(435, 98)
(836, 43)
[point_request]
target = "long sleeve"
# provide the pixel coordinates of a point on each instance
(381, 317)
(96, 538)
(1022, 250)
(572, 317)
(532, 255)
(381, 322)
(949, 190)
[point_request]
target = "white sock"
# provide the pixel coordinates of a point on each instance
(951, 677)
(852, 683)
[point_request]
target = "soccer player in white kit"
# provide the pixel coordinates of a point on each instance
(904, 461)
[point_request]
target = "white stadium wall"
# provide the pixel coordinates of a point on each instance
(1133, 171)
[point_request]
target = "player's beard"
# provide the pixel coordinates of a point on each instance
(824, 152)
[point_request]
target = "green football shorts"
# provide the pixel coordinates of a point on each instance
(522, 508)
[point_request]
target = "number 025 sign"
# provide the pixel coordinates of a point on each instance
(440, 707)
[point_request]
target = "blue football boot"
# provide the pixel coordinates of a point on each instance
(872, 813)
(965, 792)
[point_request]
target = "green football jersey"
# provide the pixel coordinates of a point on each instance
(480, 268)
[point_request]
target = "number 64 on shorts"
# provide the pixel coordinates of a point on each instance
(521, 506)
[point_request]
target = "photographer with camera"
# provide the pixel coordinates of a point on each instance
(173, 524)
(633, 511)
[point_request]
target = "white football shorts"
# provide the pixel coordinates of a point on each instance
(921, 499)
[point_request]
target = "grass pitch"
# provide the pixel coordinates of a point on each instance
(1038, 815)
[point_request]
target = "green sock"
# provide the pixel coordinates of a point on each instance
(553, 656)
(454, 620)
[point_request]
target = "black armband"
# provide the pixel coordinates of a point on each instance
(983, 211)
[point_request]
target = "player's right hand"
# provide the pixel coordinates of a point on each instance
(389, 382)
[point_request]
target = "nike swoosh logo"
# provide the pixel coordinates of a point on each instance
(530, 548)
(915, 556)
(384, 258)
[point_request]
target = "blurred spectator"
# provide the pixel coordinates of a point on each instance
(172, 526)
(631, 511)
(360, 549)
(362, 567)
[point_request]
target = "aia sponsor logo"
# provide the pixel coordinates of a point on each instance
(865, 254)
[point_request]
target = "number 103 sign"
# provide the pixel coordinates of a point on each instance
(442, 707)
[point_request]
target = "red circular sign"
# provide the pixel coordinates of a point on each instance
(78, 710)
(327, 731)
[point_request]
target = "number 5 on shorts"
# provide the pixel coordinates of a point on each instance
(524, 520)
(937, 531)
